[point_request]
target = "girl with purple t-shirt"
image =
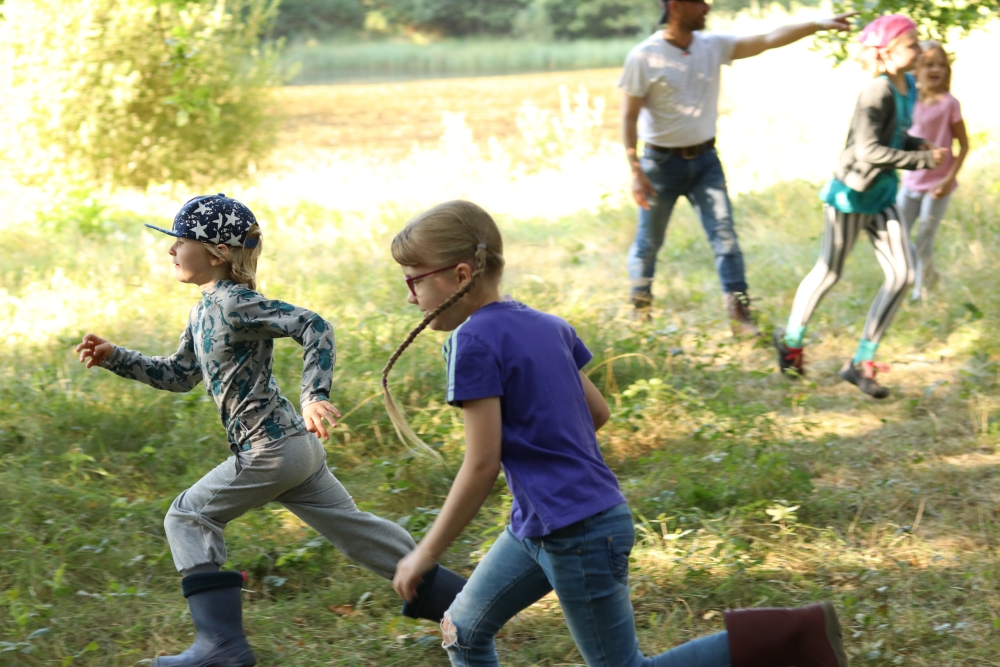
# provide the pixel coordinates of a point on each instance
(530, 410)
(925, 193)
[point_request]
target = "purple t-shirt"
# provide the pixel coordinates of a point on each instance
(549, 452)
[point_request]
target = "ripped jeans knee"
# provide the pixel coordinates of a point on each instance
(449, 631)
(467, 648)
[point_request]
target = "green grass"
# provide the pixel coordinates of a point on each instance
(897, 500)
(338, 62)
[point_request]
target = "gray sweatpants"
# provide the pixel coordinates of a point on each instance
(291, 471)
(922, 214)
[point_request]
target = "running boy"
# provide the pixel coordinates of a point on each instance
(529, 409)
(229, 344)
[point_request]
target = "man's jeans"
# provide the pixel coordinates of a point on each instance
(587, 564)
(703, 182)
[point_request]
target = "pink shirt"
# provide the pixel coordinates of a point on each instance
(932, 123)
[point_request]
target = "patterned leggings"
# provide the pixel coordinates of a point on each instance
(892, 247)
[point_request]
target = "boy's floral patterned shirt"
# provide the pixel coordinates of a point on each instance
(229, 343)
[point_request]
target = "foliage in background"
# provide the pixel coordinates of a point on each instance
(308, 19)
(134, 92)
(600, 18)
(935, 18)
(304, 19)
(455, 17)
(586, 19)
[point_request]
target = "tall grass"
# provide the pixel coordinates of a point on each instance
(888, 508)
(338, 62)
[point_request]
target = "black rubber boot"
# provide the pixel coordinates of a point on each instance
(217, 613)
(435, 594)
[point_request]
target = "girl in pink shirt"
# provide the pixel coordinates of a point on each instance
(924, 194)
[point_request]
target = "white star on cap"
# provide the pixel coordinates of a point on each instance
(199, 230)
(203, 208)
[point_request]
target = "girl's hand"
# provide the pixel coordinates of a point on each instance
(94, 350)
(943, 188)
(939, 154)
(315, 413)
(410, 572)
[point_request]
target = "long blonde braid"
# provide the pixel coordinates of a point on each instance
(396, 416)
(451, 233)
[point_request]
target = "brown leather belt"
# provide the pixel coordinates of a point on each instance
(686, 152)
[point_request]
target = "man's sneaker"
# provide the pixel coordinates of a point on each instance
(862, 375)
(740, 318)
(791, 360)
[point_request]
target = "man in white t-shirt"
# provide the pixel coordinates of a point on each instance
(670, 101)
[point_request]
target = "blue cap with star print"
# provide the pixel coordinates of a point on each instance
(213, 219)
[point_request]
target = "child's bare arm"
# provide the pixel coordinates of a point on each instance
(472, 485)
(598, 407)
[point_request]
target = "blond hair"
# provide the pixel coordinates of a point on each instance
(242, 261)
(929, 46)
(454, 232)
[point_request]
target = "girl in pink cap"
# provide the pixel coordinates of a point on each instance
(861, 197)
(925, 193)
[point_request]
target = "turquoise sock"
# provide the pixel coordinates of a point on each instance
(866, 351)
(794, 336)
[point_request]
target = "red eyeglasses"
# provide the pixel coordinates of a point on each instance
(412, 279)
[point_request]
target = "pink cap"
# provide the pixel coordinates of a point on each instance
(884, 29)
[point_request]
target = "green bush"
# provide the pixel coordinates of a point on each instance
(134, 92)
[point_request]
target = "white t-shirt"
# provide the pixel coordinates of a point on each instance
(681, 89)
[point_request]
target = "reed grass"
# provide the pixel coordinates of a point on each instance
(339, 62)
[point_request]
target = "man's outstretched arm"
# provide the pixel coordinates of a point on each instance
(754, 45)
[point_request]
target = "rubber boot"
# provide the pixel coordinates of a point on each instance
(216, 610)
(801, 637)
(435, 594)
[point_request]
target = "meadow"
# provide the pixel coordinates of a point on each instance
(747, 488)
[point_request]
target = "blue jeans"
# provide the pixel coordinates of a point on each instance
(587, 565)
(703, 182)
